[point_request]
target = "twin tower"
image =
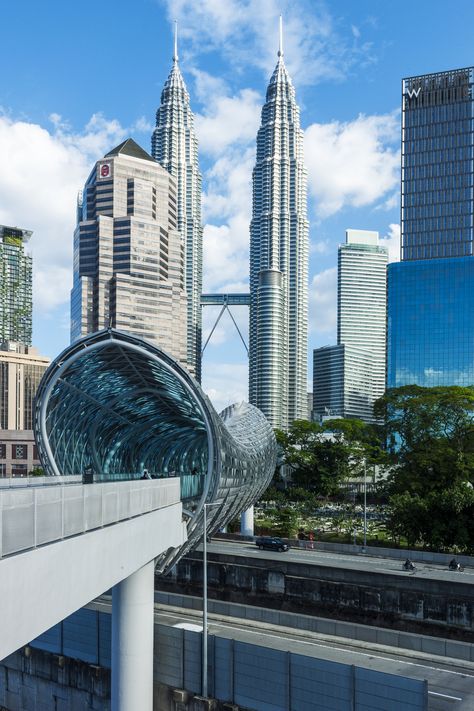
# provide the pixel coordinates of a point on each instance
(138, 245)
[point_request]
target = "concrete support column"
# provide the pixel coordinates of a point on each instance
(246, 523)
(132, 641)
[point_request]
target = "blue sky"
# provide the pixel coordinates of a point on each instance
(77, 78)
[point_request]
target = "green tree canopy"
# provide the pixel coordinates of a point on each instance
(322, 456)
(430, 437)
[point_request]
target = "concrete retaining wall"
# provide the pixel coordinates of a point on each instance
(377, 635)
(423, 604)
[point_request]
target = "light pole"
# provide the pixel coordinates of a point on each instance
(365, 503)
(204, 602)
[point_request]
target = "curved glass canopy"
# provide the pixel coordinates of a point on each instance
(113, 405)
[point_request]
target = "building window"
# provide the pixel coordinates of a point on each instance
(19, 470)
(3, 451)
(20, 451)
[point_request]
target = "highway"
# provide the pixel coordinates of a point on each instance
(450, 682)
(360, 562)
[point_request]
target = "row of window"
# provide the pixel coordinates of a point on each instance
(17, 451)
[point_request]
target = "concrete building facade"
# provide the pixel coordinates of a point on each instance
(21, 369)
(128, 253)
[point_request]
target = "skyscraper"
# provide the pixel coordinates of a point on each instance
(362, 299)
(174, 146)
(21, 367)
(437, 165)
(349, 377)
(16, 301)
(128, 254)
(431, 291)
(278, 330)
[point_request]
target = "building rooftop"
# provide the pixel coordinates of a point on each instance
(130, 148)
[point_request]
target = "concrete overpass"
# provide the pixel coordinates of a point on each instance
(63, 544)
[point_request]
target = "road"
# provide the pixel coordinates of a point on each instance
(341, 560)
(450, 682)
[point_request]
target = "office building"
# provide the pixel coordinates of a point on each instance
(430, 292)
(174, 146)
(437, 165)
(128, 253)
(342, 382)
(431, 322)
(278, 329)
(349, 377)
(16, 305)
(21, 369)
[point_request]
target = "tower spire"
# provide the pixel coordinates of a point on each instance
(175, 52)
(280, 47)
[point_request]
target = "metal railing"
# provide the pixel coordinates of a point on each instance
(34, 516)
(21, 482)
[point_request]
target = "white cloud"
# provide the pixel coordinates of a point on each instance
(392, 241)
(207, 86)
(353, 163)
(45, 171)
(323, 306)
(225, 383)
(229, 120)
(316, 45)
(227, 208)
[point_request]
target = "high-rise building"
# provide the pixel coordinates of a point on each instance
(342, 382)
(21, 369)
(431, 291)
(278, 330)
(174, 146)
(437, 209)
(349, 377)
(362, 299)
(16, 304)
(128, 254)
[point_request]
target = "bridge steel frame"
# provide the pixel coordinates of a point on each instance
(113, 406)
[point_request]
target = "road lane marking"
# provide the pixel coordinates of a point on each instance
(445, 696)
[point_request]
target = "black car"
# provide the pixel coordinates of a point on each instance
(271, 543)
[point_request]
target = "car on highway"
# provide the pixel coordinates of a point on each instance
(271, 543)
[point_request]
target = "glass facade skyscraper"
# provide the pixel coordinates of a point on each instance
(431, 322)
(16, 278)
(431, 291)
(278, 332)
(437, 165)
(174, 145)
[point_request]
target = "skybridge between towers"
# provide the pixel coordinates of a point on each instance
(120, 413)
(225, 301)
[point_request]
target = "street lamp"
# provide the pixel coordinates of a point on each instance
(365, 503)
(204, 602)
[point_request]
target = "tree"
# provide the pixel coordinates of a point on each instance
(430, 437)
(442, 520)
(322, 456)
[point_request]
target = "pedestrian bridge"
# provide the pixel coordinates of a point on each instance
(112, 410)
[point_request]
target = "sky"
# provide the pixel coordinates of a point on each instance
(78, 78)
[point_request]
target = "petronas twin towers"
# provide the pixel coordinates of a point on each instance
(174, 146)
(278, 240)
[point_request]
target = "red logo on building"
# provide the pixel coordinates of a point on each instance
(104, 170)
